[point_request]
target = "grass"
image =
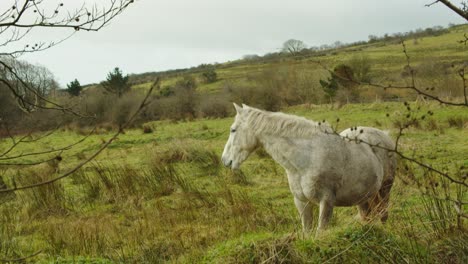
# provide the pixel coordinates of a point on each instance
(163, 197)
(160, 194)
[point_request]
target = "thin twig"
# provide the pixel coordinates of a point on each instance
(24, 139)
(454, 8)
(68, 147)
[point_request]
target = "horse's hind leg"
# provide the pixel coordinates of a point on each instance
(365, 211)
(377, 206)
(384, 194)
(305, 211)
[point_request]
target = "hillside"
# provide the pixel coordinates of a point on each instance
(386, 57)
(431, 59)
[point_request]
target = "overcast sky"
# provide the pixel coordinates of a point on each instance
(157, 35)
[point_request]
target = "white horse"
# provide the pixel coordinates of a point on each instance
(322, 167)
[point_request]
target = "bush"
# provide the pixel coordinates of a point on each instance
(214, 106)
(123, 109)
(188, 82)
(96, 103)
(185, 103)
(341, 84)
(262, 97)
(166, 91)
(457, 121)
(8, 105)
(361, 66)
(210, 75)
(147, 129)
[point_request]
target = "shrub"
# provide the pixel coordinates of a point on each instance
(184, 104)
(210, 75)
(97, 104)
(8, 105)
(188, 82)
(184, 101)
(456, 121)
(166, 91)
(361, 66)
(264, 97)
(345, 75)
(124, 107)
(214, 106)
(147, 129)
(342, 84)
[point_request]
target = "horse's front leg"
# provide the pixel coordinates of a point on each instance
(326, 211)
(305, 211)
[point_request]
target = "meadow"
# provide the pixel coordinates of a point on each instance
(159, 192)
(164, 196)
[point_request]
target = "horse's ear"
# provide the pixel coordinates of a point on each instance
(245, 106)
(238, 108)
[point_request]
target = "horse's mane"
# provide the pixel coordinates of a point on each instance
(280, 124)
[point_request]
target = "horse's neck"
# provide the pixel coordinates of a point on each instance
(280, 149)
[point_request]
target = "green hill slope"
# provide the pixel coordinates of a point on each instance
(386, 57)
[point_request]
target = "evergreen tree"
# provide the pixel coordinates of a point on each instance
(330, 86)
(116, 83)
(74, 88)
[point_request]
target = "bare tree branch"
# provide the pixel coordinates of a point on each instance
(68, 147)
(73, 20)
(454, 8)
(32, 163)
(24, 139)
(464, 40)
(21, 259)
(19, 19)
(461, 73)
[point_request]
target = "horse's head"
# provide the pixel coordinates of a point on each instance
(242, 141)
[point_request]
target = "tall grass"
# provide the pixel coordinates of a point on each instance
(175, 203)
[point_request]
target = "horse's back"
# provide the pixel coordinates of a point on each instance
(380, 142)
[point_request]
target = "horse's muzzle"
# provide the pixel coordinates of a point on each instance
(226, 161)
(229, 164)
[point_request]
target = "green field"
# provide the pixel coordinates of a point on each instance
(159, 192)
(164, 197)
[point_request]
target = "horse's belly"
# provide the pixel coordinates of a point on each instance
(352, 200)
(357, 192)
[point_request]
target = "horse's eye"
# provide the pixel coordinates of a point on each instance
(233, 130)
